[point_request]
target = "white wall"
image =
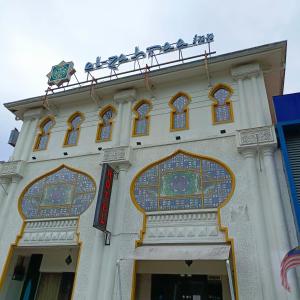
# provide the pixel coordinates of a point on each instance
(97, 263)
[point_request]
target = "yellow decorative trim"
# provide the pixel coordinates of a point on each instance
(170, 156)
(101, 123)
(13, 246)
(10, 254)
(42, 123)
(80, 243)
(215, 102)
(173, 111)
(75, 114)
(136, 117)
(21, 232)
(45, 175)
(230, 241)
(222, 228)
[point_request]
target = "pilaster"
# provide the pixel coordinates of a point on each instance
(10, 198)
(257, 217)
(126, 98)
(4, 183)
(21, 140)
(28, 144)
(121, 159)
(252, 101)
(278, 232)
(10, 174)
(25, 141)
(257, 146)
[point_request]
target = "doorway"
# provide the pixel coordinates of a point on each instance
(40, 273)
(41, 285)
(55, 286)
(188, 287)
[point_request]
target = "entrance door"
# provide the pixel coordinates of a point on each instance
(192, 287)
(55, 286)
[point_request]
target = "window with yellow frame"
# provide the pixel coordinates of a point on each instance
(222, 111)
(105, 126)
(142, 119)
(179, 117)
(72, 134)
(43, 136)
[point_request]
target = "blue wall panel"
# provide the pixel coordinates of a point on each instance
(287, 107)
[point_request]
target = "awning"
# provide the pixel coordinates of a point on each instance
(203, 252)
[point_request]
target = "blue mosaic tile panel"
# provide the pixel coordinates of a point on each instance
(65, 193)
(183, 182)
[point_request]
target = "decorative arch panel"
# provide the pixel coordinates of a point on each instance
(63, 192)
(182, 181)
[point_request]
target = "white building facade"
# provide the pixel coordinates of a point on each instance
(199, 206)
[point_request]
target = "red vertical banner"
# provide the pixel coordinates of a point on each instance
(103, 200)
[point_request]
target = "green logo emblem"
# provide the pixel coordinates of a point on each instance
(61, 73)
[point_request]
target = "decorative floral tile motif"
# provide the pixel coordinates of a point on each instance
(183, 182)
(65, 193)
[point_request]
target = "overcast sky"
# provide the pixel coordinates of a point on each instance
(35, 35)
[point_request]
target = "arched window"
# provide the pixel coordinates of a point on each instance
(222, 105)
(141, 120)
(104, 132)
(179, 118)
(72, 135)
(44, 134)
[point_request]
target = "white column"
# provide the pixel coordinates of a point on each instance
(265, 276)
(268, 110)
(126, 124)
(278, 232)
(4, 184)
(96, 266)
(258, 103)
(125, 99)
(244, 119)
(28, 143)
(109, 268)
(118, 125)
(21, 139)
(249, 90)
(7, 203)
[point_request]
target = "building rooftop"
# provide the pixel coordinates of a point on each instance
(271, 58)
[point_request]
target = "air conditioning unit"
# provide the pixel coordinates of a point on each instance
(14, 134)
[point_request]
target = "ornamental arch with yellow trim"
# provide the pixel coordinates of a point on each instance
(184, 181)
(80, 184)
(62, 192)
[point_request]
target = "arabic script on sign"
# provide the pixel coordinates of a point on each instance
(113, 62)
